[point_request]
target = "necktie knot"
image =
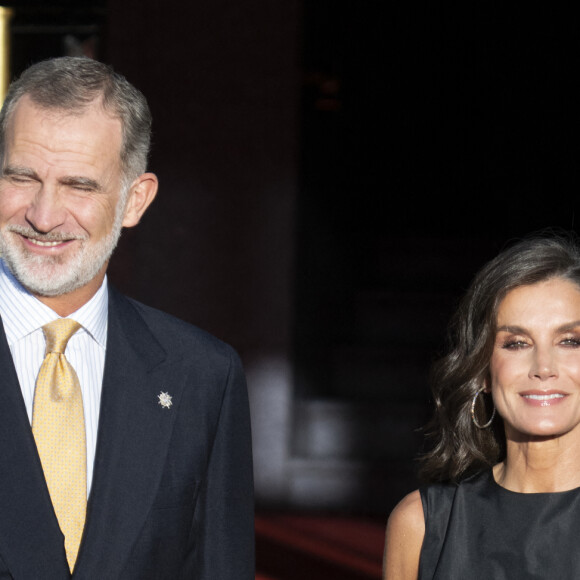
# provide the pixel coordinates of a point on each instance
(58, 332)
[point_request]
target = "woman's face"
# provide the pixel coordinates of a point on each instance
(535, 365)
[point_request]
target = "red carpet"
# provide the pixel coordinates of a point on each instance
(308, 547)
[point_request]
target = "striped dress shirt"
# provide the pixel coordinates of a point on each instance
(23, 316)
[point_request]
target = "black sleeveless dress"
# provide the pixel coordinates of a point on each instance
(478, 530)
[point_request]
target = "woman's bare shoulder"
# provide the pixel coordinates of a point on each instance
(409, 511)
(404, 538)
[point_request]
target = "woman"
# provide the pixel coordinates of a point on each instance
(503, 472)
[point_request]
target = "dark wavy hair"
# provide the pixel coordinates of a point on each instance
(457, 447)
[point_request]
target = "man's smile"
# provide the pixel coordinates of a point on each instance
(44, 244)
(44, 240)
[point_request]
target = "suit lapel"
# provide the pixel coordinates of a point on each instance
(31, 543)
(134, 433)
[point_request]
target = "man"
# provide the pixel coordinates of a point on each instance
(163, 460)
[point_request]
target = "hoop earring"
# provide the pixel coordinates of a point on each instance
(473, 418)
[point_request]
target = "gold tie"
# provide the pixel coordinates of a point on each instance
(59, 430)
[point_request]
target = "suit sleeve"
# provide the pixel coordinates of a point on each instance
(224, 515)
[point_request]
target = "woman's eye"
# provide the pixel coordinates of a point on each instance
(514, 344)
(572, 341)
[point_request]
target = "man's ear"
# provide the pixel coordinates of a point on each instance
(142, 193)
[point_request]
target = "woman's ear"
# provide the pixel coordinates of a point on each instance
(487, 384)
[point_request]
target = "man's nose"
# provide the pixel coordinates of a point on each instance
(46, 211)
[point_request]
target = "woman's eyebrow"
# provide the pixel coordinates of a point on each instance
(513, 329)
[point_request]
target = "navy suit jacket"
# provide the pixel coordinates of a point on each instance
(172, 493)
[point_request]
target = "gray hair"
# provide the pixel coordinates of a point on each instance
(71, 84)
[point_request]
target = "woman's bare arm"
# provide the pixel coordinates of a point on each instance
(405, 533)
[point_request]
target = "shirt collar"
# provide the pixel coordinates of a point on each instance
(22, 313)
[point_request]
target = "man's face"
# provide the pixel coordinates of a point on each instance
(61, 210)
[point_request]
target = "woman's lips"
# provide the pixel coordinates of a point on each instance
(543, 398)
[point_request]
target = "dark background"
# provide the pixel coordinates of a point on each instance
(332, 175)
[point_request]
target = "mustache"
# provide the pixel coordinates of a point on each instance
(28, 232)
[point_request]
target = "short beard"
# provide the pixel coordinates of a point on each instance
(52, 275)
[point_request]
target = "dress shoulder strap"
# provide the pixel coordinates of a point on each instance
(437, 500)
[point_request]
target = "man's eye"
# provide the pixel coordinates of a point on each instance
(81, 186)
